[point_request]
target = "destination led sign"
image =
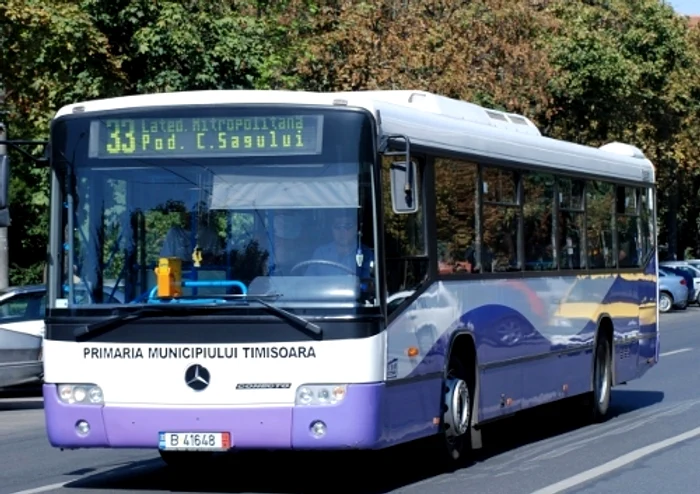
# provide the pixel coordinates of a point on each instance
(206, 136)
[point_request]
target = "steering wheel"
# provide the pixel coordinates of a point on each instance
(324, 263)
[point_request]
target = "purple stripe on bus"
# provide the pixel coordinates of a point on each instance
(356, 423)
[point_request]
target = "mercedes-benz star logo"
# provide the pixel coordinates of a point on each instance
(197, 377)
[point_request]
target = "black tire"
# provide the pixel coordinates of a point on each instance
(453, 443)
(602, 379)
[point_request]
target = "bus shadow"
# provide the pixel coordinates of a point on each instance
(557, 419)
(367, 473)
(21, 404)
(33, 391)
(21, 398)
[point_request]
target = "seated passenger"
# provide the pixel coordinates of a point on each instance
(343, 250)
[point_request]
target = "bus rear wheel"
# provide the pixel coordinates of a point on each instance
(602, 379)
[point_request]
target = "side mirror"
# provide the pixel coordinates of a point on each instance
(404, 187)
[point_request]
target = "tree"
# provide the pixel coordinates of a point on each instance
(61, 52)
(52, 55)
(486, 51)
(627, 70)
(591, 72)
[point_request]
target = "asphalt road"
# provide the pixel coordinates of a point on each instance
(650, 443)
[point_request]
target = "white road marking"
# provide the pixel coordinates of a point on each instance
(619, 462)
(674, 352)
(583, 437)
(44, 488)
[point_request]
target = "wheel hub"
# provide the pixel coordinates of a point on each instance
(458, 406)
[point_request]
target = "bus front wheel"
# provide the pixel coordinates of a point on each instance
(454, 440)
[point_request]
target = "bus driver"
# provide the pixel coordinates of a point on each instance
(345, 249)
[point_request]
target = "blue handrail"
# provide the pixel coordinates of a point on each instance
(202, 284)
(214, 283)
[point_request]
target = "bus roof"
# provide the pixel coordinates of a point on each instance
(430, 121)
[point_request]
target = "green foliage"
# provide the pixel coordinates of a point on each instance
(59, 52)
(628, 70)
(175, 46)
(52, 55)
(591, 72)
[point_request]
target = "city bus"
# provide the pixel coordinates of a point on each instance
(281, 270)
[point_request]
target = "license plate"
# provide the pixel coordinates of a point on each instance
(194, 441)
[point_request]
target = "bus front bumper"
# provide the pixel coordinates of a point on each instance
(353, 424)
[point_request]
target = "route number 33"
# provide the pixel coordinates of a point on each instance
(122, 136)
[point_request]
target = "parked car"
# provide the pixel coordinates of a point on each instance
(22, 311)
(673, 291)
(693, 262)
(691, 275)
(21, 336)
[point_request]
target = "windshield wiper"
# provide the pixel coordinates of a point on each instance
(99, 328)
(298, 321)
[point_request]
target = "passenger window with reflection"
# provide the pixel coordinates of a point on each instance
(455, 215)
(627, 226)
(538, 211)
(571, 224)
(600, 198)
(499, 249)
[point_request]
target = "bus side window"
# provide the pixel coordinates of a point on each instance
(627, 227)
(455, 211)
(600, 204)
(570, 218)
(500, 219)
(406, 251)
(538, 221)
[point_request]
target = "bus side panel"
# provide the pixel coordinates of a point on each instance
(411, 409)
(557, 375)
(499, 314)
(534, 337)
(624, 309)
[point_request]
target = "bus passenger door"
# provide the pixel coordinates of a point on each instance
(627, 292)
(624, 310)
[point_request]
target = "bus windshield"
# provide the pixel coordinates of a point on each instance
(258, 200)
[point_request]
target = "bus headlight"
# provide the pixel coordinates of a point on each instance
(85, 394)
(320, 394)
